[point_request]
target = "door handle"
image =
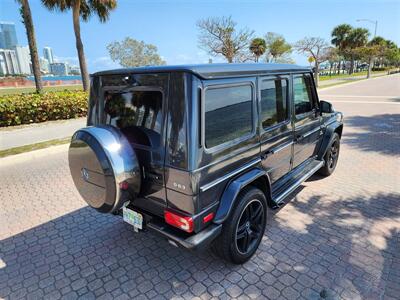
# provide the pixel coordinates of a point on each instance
(266, 154)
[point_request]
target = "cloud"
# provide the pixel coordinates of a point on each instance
(199, 57)
(72, 60)
(102, 63)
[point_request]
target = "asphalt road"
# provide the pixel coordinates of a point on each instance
(337, 238)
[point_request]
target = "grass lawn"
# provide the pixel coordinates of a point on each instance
(31, 147)
(338, 76)
(19, 90)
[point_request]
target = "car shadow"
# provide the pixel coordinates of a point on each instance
(317, 247)
(377, 133)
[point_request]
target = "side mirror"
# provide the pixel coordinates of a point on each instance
(326, 107)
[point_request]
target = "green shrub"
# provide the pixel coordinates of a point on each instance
(34, 108)
(376, 69)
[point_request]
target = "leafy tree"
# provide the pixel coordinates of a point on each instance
(340, 39)
(133, 53)
(258, 48)
(26, 14)
(358, 37)
(368, 53)
(315, 47)
(82, 9)
(332, 56)
(277, 47)
(392, 53)
(219, 36)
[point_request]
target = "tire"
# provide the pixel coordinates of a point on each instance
(244, 227)
(331, 157)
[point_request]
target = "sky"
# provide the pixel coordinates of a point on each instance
(171, 25)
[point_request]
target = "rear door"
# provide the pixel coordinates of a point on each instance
(276, 129)
(307, 123)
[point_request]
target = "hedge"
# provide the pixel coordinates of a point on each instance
(35, 108)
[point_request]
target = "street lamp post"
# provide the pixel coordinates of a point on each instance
(371, 61)
(370, 21)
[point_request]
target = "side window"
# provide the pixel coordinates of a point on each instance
(228, 114)
(274, 95)
(303, 99)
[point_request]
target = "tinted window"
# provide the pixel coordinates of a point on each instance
(303, 101)
(273, 101)
(134, 108)
(228, 114)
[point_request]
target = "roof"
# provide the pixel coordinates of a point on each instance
(208, 71)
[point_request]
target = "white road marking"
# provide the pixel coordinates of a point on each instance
(355, 96)
(364, 102)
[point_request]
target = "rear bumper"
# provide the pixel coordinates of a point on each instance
(197, 241)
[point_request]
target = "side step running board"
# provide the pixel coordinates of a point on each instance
(279, 199)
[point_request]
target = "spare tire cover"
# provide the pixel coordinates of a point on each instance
(100, 159)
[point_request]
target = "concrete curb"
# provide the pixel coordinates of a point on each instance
(33, 155)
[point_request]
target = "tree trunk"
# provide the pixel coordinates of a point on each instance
(339, 66)
(371, 60)
(351, 65)
(316, 73)
(30, 32)
(79, 45)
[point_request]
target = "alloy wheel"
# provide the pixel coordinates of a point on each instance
(250, 226)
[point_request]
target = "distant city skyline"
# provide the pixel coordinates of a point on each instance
(15, 59)
(171, 25)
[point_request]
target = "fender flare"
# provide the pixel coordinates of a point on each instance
(233, 189)
(327, 138)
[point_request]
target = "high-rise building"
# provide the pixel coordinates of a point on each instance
(8, 36)
(24, 59)
(48, 54)
(44, 65)
(59, 69)
(9, 62)
(74, 70)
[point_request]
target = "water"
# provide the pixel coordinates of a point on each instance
(55, 78)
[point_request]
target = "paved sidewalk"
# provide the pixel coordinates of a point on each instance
(17, 136)
(335, 81)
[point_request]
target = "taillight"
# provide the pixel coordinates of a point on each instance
(208, 218)
(182, 222)
(123, 185)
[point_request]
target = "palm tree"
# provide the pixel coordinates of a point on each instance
(340, 36)
(30, 32)
(82, 9)
(358, 37)
(258, 48)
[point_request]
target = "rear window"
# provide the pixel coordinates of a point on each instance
(228, 114)
(134, 108)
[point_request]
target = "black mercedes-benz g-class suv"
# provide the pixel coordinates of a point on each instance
(200, 153)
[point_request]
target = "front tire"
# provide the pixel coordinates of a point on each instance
(242, 232)
(331, 157)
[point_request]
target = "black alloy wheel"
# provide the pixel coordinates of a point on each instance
(249, 228)
(243, 231)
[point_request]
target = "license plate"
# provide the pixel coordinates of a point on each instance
(132, 217)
